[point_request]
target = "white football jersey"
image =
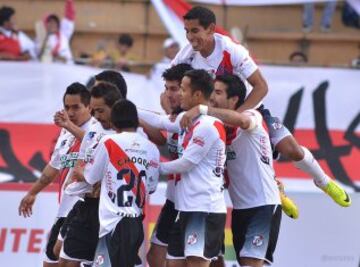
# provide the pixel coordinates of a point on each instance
(64, 157)
(86, 153)
(202, 188)
(228, 57)
(249, 166)
(127, 164)
(172, 144)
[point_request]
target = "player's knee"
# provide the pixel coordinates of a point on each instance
(150, 257)
(57, 248)
(155, 257)
(251, 262)
(290, 149)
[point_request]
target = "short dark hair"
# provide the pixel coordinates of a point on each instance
(106, 91)
(298, 54)
(54, 18)
(114, 78)
(234, 87)
(200, 80)
(78, 89)
(5, 14)
(176, 73)
(126, 39)
(203, 14)
(124, 115)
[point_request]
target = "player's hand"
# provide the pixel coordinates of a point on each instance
(26, 204)
(189, 116)
(61, 119)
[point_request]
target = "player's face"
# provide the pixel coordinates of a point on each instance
(218, 98)
(52, 26)
(78, 113)
(172, 91)
(11, 23)
(101, 111)
(186, 94)
(171, 51)
(197, 35)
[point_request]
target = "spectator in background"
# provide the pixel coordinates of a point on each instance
(170, 49)
(53, 36)
(119, 58)
(308, 16)
(14, 44)
(298, 57)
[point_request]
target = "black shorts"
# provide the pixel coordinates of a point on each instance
(53, 236)
(198, 234)
(82, 232)
(255, 232)
(124, 243)
(165, 222)
(277, 130)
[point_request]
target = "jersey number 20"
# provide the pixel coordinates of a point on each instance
(134, 183)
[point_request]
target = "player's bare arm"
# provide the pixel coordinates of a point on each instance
(260, 89)
(62, 120)
(48, 176)
(153, 133)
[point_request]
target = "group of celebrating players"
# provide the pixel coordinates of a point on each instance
(219, 136)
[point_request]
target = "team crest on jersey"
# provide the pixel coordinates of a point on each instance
(99, 261)
(63, 143)
(258, 240)
(91, 135)
(192, 239)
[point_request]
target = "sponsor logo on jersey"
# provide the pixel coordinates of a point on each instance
(264, 153)
(138, 151)
(69, 160)
(199, 141)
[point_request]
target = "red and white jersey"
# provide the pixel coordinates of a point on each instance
(64, 157)
(19, 39)
(127, 164)
(249, 166)
(172, 144)
(86, 153)
(228, 57)
(202, 188)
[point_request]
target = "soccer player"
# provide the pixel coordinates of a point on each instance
(256, 214)
(156, 256)
(82, 223)
(113, 77)
(219, 55)
(197, 234)
(76, 104)
(127, 165)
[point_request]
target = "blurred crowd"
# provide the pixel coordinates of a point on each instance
(53, 35)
